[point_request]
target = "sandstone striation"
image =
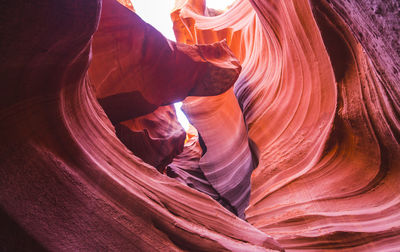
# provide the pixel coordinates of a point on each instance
(156, 138)
(135, 69)
(67, 182)
(322, 112)
(296, 107)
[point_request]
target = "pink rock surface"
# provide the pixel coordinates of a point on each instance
(315, 110)
(67, 182)
(156, 138)
(228, 162)
(135, 69)
(323, 118)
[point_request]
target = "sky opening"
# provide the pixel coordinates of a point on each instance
(157, 13)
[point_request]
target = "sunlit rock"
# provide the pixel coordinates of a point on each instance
(296, 105)
(322, 113)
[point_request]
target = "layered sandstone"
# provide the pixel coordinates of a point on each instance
(322, 112)
(303, 144)
(67, 182)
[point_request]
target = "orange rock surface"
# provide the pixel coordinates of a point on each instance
(67, 182)
(296, 106)
(323, 118)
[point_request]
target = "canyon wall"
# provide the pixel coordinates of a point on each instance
(67, 182)
(296, 106)
(322, 106)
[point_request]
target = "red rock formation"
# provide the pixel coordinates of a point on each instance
(67, 182)
(186, 168)
(325, 121)
(318, 95)
(228, 163)
(156, 138)
(135, 69)
(127, 4)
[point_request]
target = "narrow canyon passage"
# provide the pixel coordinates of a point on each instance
(294, 139)
(204, 71)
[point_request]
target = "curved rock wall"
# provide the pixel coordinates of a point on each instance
(318, 95)
(323, 117)
(66, 180)
(228, 162)
(135, 69)
(156, 138)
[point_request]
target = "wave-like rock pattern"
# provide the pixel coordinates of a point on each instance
(156, 138)
(186, 168)
(229, 161)
(324, 119)
(67, 182)
(135, 69)
(318, 95)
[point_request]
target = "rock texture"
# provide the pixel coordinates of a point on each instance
(156, 138)
(67, 182)
(228, 162)
(303, 144)
(322, 112)
(186, 168)
(135, 69)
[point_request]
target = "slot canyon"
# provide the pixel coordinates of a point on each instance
(294, 108)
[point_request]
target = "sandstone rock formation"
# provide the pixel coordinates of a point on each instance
(156, 138)
(303, 144)
(322, 112)
(67, 182)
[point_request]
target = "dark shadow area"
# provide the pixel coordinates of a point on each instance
(14, 238)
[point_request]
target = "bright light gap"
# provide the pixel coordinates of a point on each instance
(157, 13)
